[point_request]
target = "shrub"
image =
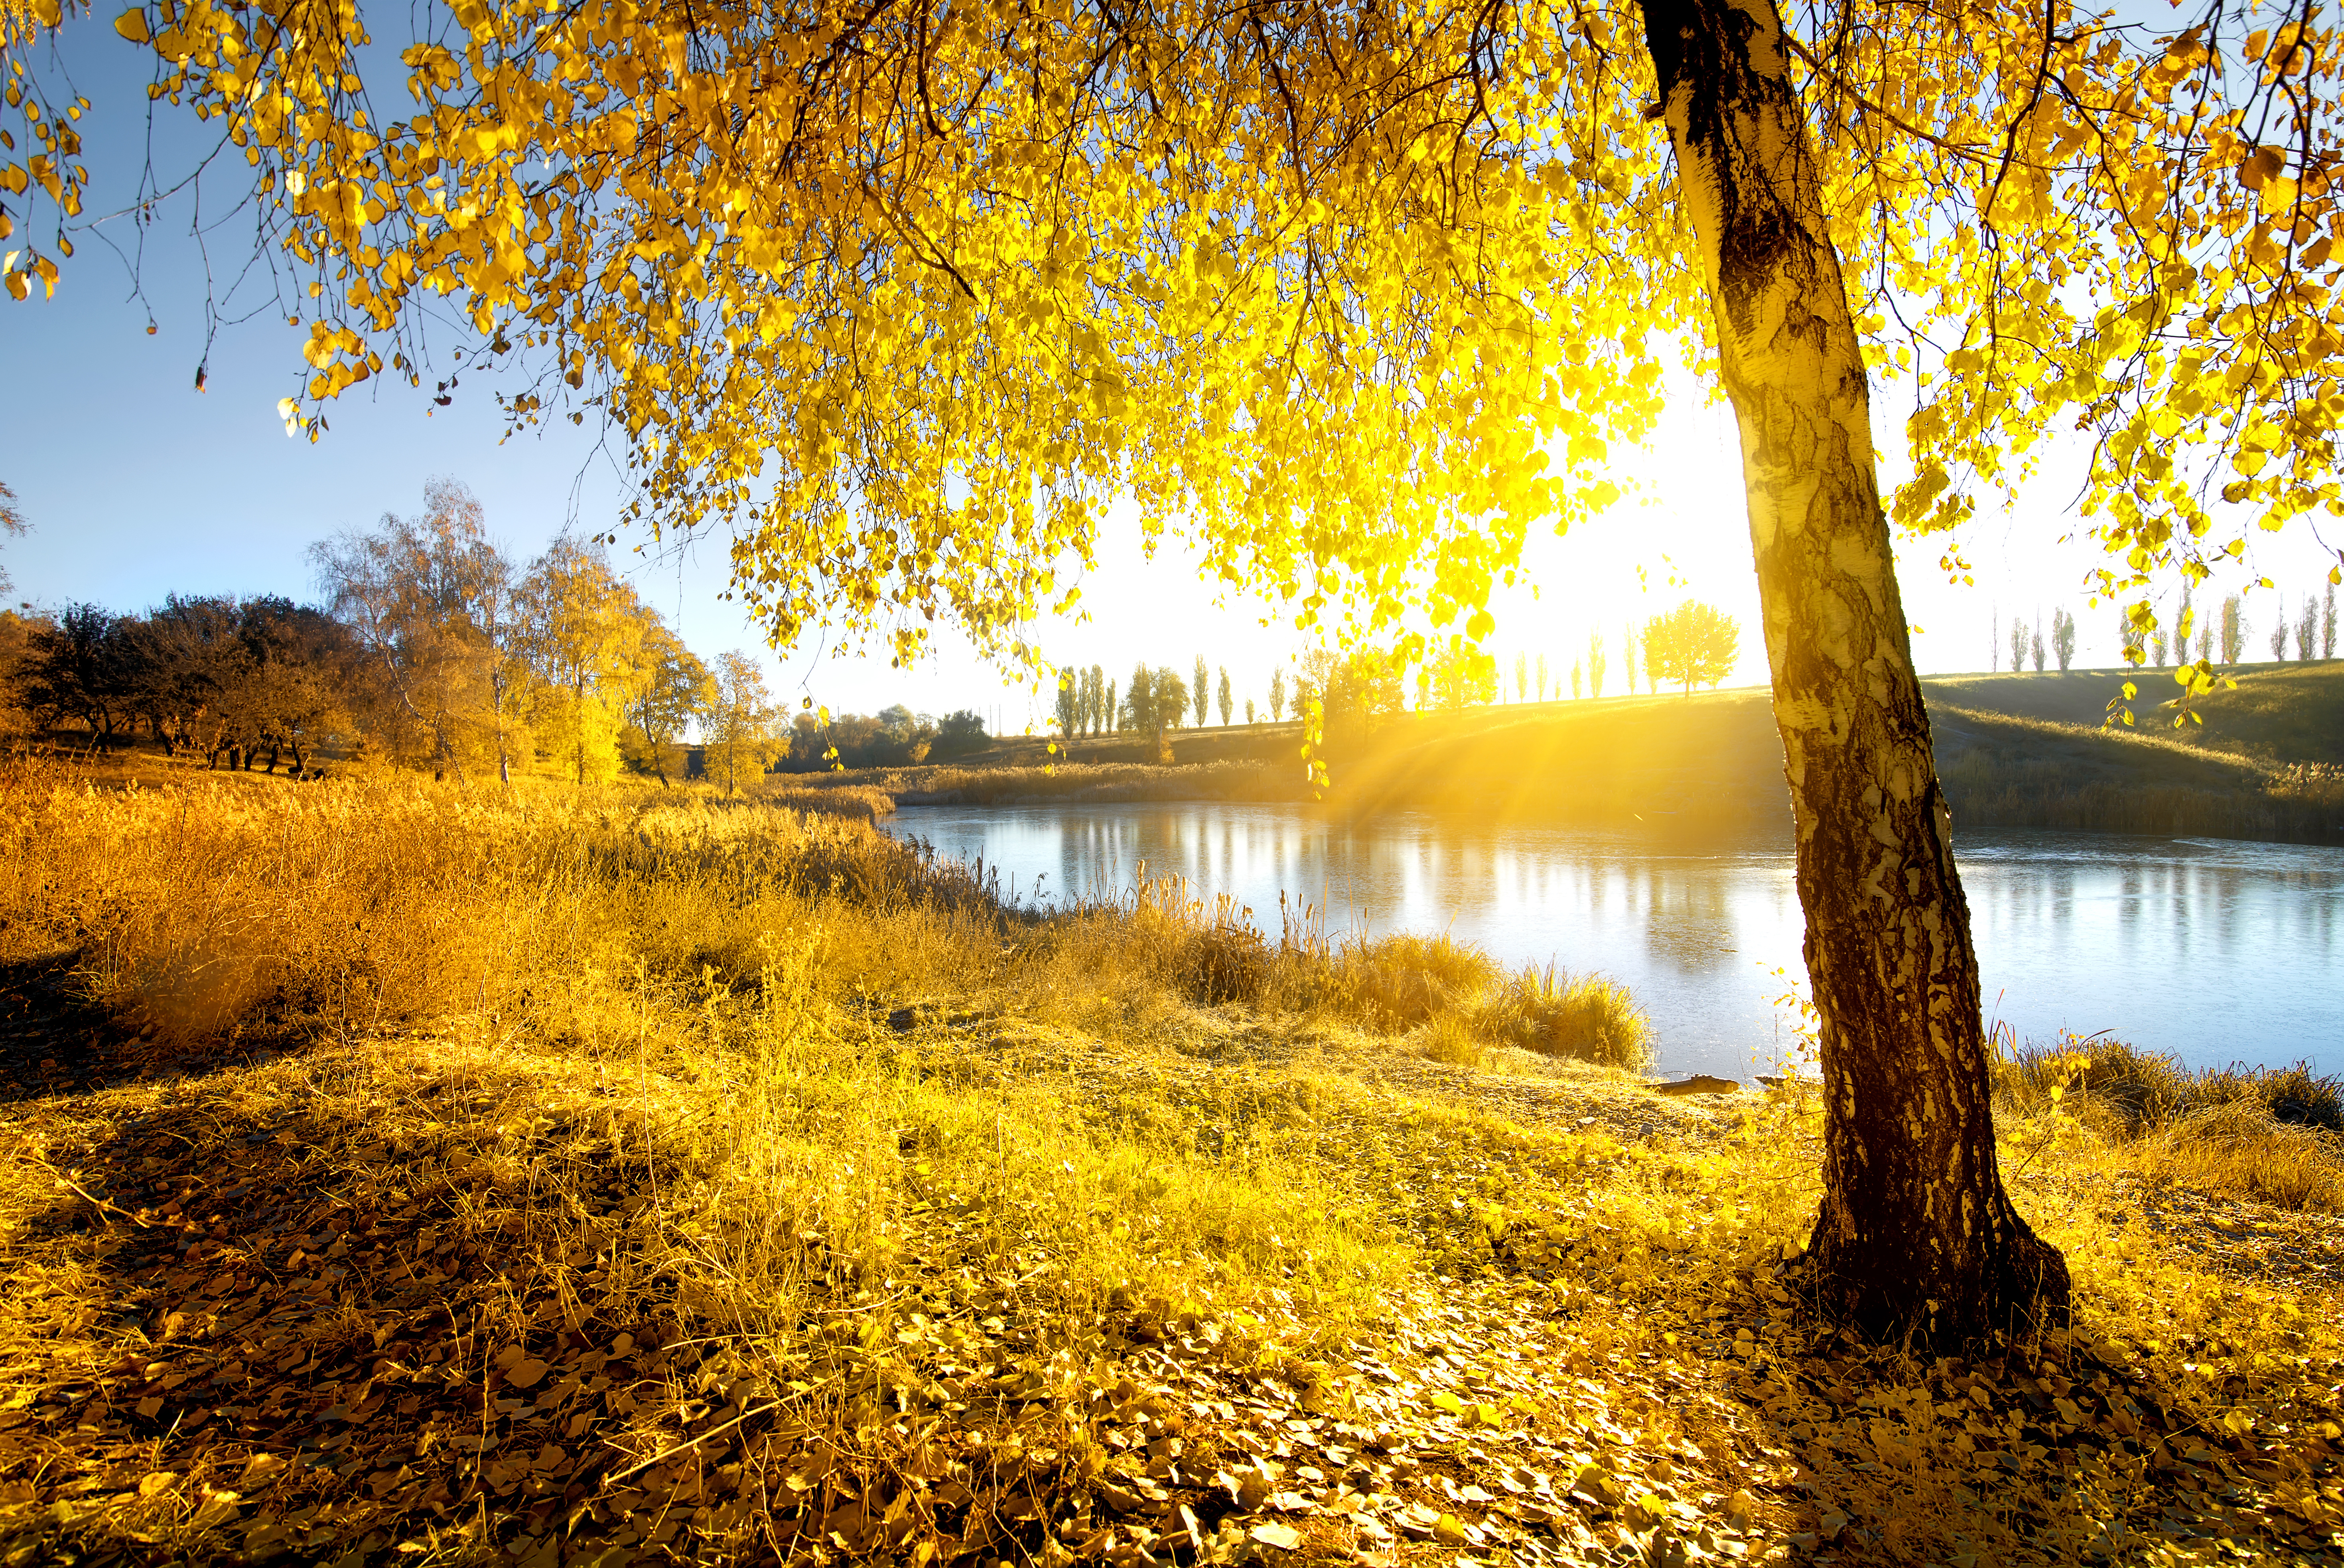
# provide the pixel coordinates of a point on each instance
(2131, 1089)
(1224, 958)
(2239, 1145)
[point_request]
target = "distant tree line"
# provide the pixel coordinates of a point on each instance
(1693, 644)
(432, 649)
(894, 737)
(2188, 636)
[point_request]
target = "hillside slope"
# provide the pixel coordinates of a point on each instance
(2279, 714)
(2013, 751)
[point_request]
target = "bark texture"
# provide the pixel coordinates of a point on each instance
(1916, 1235)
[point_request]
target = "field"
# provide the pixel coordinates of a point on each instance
(2013, 751)
(398, 1174)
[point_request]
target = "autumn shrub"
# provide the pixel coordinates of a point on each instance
(2112, 1083)
(2319, 785)
(2144, 1090)
(2295, 1095)
(2081, 794)
(1586, 1018)
(207, 907)
(860, 802)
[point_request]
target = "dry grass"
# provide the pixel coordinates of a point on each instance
(860, 802)
(971, 1237)
(1587, 1017)
(948, 784)
(2275, 1135)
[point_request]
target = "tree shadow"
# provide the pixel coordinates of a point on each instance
(2048, 1452)
(52, 1041)
(250, 1322)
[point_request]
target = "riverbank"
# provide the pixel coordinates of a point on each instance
(395, 1172)
(2012, 751)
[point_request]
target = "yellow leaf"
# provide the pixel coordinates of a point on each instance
(1284, 1537)
(132, 25)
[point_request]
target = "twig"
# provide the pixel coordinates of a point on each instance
(66, 1182)
(687, 1447)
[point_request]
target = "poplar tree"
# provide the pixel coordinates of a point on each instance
(676, 688)
(1067, 705)
(427, 598)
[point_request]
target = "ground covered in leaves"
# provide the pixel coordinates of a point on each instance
(941, 1284)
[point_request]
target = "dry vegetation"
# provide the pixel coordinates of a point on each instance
(619, 1176)
(1071, 781)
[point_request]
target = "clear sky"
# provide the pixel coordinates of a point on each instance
(137, 485)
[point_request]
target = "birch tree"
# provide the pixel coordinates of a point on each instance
(420, 595)
(586, 637)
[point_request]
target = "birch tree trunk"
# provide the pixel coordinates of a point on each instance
(1916, 1235)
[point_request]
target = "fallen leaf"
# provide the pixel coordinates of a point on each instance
(1284, 1537)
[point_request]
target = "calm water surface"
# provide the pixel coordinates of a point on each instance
(2215, 950)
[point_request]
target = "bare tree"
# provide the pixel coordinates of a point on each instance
(11, 526)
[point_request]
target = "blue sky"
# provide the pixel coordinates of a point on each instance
(138, 485)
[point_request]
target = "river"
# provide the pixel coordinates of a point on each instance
(2215, 950)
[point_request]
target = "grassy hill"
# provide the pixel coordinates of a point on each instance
(2017, 749)
(2279, 714)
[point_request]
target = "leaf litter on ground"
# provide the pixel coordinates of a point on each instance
(458, 1297)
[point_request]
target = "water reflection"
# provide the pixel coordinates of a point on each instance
(2217, 951)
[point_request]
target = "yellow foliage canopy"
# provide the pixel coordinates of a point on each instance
(907, 294)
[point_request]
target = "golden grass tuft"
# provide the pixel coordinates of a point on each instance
(1585, 1017)
(2272, 1134)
